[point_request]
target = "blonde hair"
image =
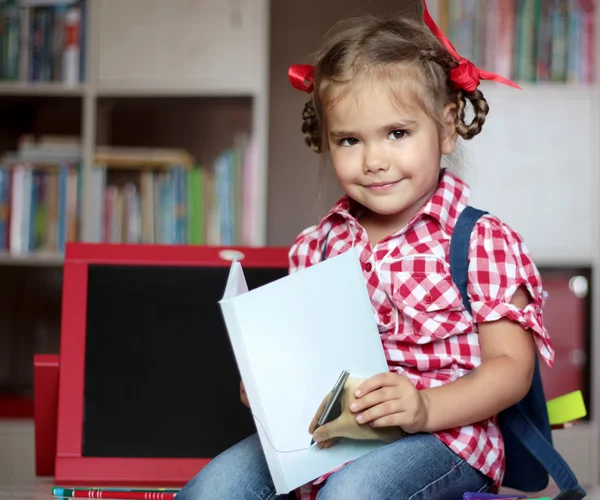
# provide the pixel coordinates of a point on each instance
(403, 51)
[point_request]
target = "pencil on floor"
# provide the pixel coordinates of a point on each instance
(116, 493)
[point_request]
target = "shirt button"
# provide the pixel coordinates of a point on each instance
(368, 267)
(387, 318)
(428, 299)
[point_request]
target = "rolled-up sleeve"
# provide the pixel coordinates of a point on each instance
(499, 264)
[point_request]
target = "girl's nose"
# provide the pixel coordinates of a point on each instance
(375, 160)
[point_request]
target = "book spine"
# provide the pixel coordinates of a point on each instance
(63, 193)
(193, 203)
(34, 203)
(11, 66)
(4, 207)
(71, 54)
(58, 42)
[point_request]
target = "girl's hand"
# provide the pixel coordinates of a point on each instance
(324, 441)
(346, 424)
(389, 399)
(243, 395)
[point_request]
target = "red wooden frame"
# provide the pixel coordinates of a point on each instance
(70, 466)
(16, 407)
(46, 369)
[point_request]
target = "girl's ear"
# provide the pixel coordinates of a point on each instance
(449, 134)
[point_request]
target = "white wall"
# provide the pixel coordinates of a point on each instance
(532, 166)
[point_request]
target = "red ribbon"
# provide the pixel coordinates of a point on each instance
(466, 75)
(302, 77)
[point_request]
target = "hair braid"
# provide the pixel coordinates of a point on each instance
(311, 127)
(438, 55)
(480, 108)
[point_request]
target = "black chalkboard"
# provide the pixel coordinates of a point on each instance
(160, 376)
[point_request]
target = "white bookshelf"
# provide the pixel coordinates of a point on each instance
(554, 203)
(181, 50)
(41, 89)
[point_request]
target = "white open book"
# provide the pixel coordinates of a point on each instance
(291, 339)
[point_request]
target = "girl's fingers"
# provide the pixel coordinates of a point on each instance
(393, 420)
(379, 411)
(327, 444)
(376, 382)
(327, 432)
(374, 398)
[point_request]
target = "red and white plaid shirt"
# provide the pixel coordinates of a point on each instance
(426, 332)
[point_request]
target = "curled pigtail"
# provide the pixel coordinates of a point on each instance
(480, 109)
(311, 127)
(438, 56)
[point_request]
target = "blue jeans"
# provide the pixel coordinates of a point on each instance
(417, 467)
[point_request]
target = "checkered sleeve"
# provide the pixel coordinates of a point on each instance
(304, 251)
(499, 264)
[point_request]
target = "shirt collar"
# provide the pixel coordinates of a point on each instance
(444, 205)
(447, 201)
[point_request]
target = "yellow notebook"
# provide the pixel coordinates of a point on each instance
(566, 408)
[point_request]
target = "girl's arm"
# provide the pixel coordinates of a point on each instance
(507, 327)
(502, 379)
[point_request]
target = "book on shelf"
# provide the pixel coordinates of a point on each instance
(177, 203)
(42, 41)
(39, 207)
(524, 40)
(138, 195)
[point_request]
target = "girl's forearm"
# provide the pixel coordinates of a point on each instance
(495, 385)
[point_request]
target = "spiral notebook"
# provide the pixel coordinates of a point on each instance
(291, 339)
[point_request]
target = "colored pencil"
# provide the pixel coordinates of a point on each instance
(116, 493)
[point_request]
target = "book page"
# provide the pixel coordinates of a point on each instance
(236, 281)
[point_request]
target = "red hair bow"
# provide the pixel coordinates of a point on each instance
(302, 77)
(465, 76)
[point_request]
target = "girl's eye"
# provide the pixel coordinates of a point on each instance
(349, 141)
(398, 134)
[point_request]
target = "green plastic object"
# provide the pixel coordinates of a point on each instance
(566, 408)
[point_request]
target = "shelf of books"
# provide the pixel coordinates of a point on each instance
(80, 162)
(63, 135)
(170, 200)
(194, 186)
(530, 41)
(139, 195)
(43, 43)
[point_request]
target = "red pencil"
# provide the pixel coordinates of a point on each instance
(115, 494)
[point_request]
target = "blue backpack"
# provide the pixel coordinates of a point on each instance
(529, 452)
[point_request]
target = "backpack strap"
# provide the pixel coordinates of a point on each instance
(535, 442)
(515, 417)
(459, 250)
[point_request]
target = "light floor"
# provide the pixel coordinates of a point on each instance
(17, 463)
(41, 490)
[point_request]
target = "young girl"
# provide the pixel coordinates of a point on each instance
(388, 100)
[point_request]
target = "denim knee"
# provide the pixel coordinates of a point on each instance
(348, 487)
(418, 467)
(239, 473)
(211, 484)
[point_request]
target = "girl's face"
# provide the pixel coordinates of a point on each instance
(385, 156)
